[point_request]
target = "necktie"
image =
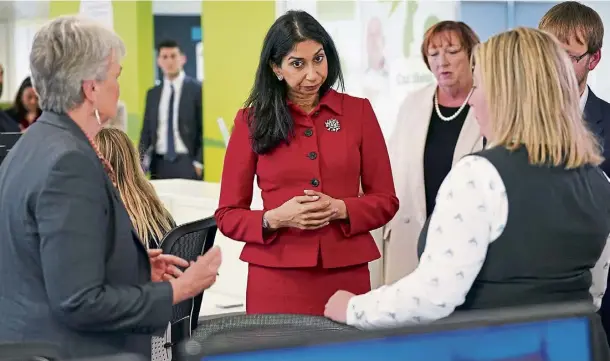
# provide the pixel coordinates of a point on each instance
(170, 155)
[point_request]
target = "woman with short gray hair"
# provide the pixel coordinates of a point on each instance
(72, 270)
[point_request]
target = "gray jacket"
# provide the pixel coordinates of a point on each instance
(72, 269)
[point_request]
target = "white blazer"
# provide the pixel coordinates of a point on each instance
(406, 149)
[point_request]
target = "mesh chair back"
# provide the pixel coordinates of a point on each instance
(29, 351)
(224, 333)
(187, 241)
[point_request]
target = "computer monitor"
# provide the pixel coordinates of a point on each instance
(7, 141)
(537, 334)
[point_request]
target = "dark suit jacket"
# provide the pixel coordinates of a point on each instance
(7, 124)
(190, 119)
(72, 270)
(597, 115)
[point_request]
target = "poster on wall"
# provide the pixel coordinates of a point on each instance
(98, 10)
(379, 43)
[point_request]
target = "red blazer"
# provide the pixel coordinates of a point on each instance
(334, 163)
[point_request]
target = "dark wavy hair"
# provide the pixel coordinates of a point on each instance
(269, 118)
(18, 106)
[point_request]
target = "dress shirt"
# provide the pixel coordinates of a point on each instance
(319, 157)
(161, 146)
(583, 98)
(413, 299)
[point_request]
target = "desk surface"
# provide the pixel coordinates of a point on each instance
(198, 191)
(215, 303)
(186, 187)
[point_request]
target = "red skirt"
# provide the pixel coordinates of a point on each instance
(301, 290)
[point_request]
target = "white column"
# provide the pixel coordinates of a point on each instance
(280, 7)
(6, 50)
(597, 78)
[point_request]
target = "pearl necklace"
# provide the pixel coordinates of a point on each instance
(450, 118)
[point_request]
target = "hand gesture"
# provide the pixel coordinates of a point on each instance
(164, 266)
(336, 307)
(199, 276)
(198, 171)
(302, 212)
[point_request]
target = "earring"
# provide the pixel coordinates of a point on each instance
(280, 77)
(97, 117)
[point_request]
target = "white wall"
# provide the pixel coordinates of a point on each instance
(180, 7)
(598, 79)
(16, 37)
(23, 36)
(19, 20)
(6, 43)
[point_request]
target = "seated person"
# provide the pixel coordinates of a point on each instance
(149, 217)
(523, 222)
(25, 109)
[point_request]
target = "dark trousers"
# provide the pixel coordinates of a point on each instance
(181, 168)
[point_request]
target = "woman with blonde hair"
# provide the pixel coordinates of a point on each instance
(149, 217)
(523, 222)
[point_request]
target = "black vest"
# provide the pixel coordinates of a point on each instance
(558, 223)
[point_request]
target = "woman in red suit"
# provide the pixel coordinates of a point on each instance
(310, 148)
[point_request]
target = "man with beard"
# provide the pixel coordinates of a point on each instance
(581, 32)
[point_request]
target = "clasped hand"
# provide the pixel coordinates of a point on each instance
(310, 211)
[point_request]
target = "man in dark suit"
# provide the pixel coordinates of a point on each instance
(172, 132)
(8, 124)
(581, 32)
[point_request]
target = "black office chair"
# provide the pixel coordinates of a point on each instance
(28, 351)
(187, 241)
(223, 333)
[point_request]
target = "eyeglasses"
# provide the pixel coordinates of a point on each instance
(577, 58)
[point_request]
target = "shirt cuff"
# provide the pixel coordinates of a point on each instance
(197, 165)
(352, 307)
